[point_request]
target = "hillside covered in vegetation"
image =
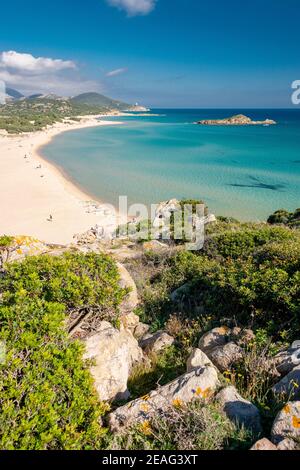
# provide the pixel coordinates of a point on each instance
(245, 280)
(35, 112)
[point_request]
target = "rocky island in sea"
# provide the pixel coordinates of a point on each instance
(237, 120)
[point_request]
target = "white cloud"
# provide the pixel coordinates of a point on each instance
(134, 7)
(26, 62)
(30, 74)
(113, 73)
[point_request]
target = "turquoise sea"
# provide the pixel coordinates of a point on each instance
(244, 172)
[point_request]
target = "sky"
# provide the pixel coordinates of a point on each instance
(160, 53)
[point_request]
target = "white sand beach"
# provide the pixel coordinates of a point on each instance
(32, 190)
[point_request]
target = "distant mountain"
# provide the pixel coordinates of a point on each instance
(35, 96)
(95, 99)
(48, 96)
(13, 94)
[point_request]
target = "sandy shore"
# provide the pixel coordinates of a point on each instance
(32, 189)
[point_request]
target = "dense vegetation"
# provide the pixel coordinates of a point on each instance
(46, 392)
(248, 274)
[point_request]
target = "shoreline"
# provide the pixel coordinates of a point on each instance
(32, 189)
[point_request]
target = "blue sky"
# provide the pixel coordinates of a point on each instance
(163, 53)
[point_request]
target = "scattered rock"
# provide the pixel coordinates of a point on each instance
(214, 338)
(242, 337)
(156, 342)
(197, 359)
(114, 353)
(263, 444)
(287, 424)
(223, 357)
(129, 322)
(289, 386)
(199, 383)
(141, 330)
(239, 410)
(178, 294)
(286, 361)
(127, 282)
(154, 245)
(287, 444)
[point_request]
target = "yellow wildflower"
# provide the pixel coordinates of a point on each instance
(145, 428)
(296, 422)
(177, 403)
(144, 407)
(287, 409)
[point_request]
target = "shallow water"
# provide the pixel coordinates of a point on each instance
(244, 172)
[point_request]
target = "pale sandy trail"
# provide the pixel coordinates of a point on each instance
(28, 195)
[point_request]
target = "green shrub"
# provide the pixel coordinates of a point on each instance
(46, 393)
(47, 399)
(76, 280)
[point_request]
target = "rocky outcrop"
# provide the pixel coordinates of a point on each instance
(287, 425)
(289, 386)
(223, 345)
(153, 343)
(237, 120)
(239, 410)
(199, 383)
(263, 444)
(113, 353)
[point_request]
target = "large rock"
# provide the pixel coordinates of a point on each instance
(263, 444)
(114, 353)
(239, 410)
(199, 383)
(156, 342)
(289, 386)
(287, 424)
(214, 338)
(286, 361)
(223, 357)
(197, 359)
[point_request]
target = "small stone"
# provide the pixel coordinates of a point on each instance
(263, 444)
(156, 342)
(287, 444)
(224, 357)
(197, 359)
(286, 361)
(141, 330)
(214, 338)
(239, 410)
(289, 386)
(129, 322)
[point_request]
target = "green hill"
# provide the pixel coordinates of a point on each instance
(95, 99)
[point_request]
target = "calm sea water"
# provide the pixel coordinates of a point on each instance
(244, 172)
